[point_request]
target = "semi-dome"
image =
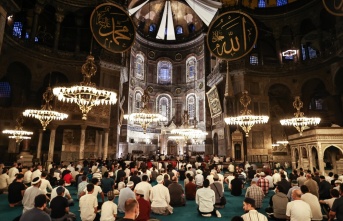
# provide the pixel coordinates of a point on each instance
(163, 20)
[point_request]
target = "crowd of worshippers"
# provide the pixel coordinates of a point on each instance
(144, 189)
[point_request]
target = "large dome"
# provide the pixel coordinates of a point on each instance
(185, 25)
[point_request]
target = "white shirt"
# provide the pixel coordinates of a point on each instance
(312, 200)
(87, 204)
(270, 179)
(299, 210)
(253, 215)
(28, 176)
(146, 187)
(36, 173)
(97, 190)
(199, 179)
(231, 168)
(12, 172)
(205, 198)
(159, 196)
(330, 202)
(276, 178)
(4, 181)
(45, 184)
(210, 178)
(108, 208)
(54, 193)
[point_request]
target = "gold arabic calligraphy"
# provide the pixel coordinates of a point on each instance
(111, 27)
(339, 6)
(227, 36)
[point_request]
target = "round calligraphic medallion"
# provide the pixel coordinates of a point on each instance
(232, 35)
(334, 7)
(112, 27)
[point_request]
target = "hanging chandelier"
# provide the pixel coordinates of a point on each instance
(299, 121)
(46, 114)
(86, 95)
(145, 117)
(189, 131)
(18, 133)
(246, 120)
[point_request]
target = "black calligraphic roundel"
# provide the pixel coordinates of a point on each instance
(334, 7)
(112, 27)
(232, 35)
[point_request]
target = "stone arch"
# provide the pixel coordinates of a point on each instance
(19, 76)
(333, 158)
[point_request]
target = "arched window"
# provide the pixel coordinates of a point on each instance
(281, 2)
(164, 71)
(164, 105)
(191, 28)
(261, 3)
(17, 29)
(191, 103)
(179, 30)
(138, 102)
(5, 93)
(139, 67)
(254, 59)
(152, 28)
(191, 66)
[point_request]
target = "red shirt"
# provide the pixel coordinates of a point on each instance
(190, 190)
(144, 210)
(68, 178)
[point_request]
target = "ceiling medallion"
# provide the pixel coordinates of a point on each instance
(178, 57)
(201, 85)
(178, 90)
(151, 54)
(150, 89)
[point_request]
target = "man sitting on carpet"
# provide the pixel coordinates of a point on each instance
(37, 213)
(251, 213)
(60, 208)
(176, 193)
(160, 198)
(205, 198)
(144, 206)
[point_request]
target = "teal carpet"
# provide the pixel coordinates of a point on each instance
(189, 212)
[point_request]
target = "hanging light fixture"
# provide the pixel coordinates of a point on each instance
(18, 133)
(299, 121)
(246, 120)
(46, 114)
(145, 117)
(189, 131)
(86, 95)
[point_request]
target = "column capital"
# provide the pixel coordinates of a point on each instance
(106, 130)
(53, 126)
(59, 17)
(83, 127)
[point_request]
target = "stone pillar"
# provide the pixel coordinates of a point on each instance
(105, 144)
(294, 163)
(82, 142)
(59, 19)
(51, 145)
(3, 18)
(310, 160)
(38, 10)
(321, 159)
(100, 144)
(39, 146)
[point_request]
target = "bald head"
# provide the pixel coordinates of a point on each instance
(308, 176)
(296, 194)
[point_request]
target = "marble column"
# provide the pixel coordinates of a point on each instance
(105, 144)
(100, 144)
(309, 156)
(82, 142)
(38, 10)
(59, 19)
(321, 160)
(51, 145)
(39, 146)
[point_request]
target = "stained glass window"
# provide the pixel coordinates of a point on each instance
(281, 2)
(5, 90)
(139, 64)
(261, 3)
(191, 69)
(164, 70)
